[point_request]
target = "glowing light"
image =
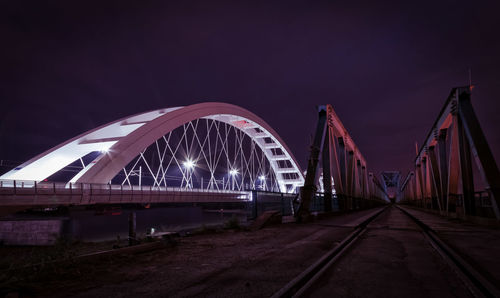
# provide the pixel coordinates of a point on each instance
(189, 164)
(233, 172)
(262, 178)
(104, 150)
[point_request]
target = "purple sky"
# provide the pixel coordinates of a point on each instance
(69, 66)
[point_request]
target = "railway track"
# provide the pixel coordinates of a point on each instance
(473, 280)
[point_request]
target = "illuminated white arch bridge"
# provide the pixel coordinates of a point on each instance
(207, 150)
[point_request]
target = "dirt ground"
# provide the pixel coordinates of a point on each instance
(478, 245)
(391, 259)
(230, 263)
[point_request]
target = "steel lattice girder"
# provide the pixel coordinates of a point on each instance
(449, 172)
(341, 160)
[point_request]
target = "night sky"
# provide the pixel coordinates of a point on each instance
(69, 66)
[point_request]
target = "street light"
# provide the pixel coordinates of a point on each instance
(189, 164)
(262, 179)
(233, 173)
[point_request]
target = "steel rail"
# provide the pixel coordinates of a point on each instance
(476, 283)
(297, 286)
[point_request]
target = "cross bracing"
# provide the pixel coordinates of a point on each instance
(115, 147)
(455, 171)
(202, 154)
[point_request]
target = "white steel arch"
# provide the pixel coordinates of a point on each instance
(122, 140)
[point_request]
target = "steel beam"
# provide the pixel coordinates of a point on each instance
(466, 171)
(336, 164)
(451, 168)
(327, 177)
(309, 189)
(342, 163)
(443, 168)
(479, 146)
(436, 179)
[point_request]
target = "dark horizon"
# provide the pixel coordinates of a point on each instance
(386, 69)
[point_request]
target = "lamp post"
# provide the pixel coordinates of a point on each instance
(262, 179)
(233, 173)
(189, 167)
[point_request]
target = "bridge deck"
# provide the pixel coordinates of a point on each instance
(28, 193)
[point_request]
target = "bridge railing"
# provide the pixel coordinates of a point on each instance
(287, 204)
(34, 187)
(481, 205)
(22, 192)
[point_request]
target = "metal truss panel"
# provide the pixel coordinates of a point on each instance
(344, 169)
(444, 178)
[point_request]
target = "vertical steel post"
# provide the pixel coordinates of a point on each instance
(282, 205)
(443, 168)
(482, 152)
(131, 228)
(81, 193)
(454, 160)
(466, 170)
(358, 191)
(307, 192)
(420, 184)
(335, 162)
(427, 190)
(342, 165)
(255, 207)
(365, 187)
(327, 177)
(140, 177)
(435, 176)
(350, 178)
